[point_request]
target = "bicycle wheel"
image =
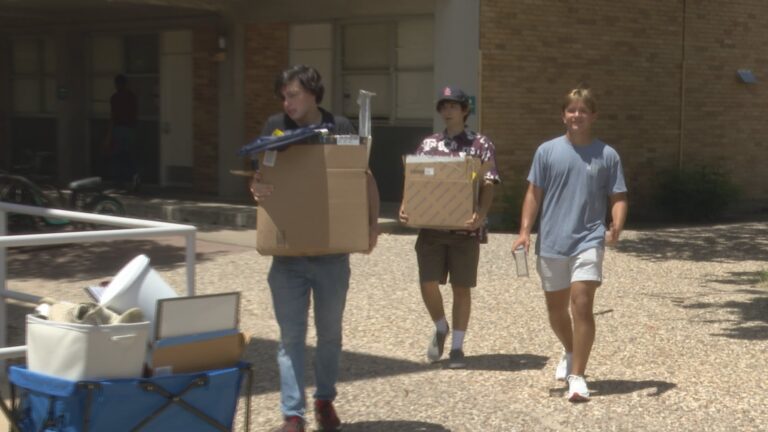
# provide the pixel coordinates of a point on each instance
(105, 205)
(18, 190)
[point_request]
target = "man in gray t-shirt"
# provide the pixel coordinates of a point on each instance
(572, 180)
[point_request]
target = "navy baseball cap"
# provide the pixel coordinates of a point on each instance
(454, 94)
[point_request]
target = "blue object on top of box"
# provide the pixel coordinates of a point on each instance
(278, 142)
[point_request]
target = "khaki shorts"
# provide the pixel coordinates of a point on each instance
(559, 273)
(441, 253)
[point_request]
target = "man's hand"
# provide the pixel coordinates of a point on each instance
(260, 190)
(474, 223)
(523, 240)
(612, 236)
(402, 215)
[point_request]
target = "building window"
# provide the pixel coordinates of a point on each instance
(394, 59)
(34, 76)
(135, 56)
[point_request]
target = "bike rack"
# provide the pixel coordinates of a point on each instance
(130, 228)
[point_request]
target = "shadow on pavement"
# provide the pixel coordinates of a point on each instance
(394, 425)
(354, 366)
(16, 319)
(93, 260)
(613, 387)
(751, 315)
(701, 243)
(504, 362)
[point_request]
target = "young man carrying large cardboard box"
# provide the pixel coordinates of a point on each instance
(293, 278)
(455, 252)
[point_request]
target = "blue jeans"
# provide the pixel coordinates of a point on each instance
(291, 279)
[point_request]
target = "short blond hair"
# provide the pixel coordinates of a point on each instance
(582, 94)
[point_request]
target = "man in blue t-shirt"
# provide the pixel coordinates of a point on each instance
(572, 180)
(293, 279)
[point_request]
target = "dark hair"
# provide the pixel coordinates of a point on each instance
(308, 77)
(120, 80)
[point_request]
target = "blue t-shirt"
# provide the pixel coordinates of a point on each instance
(577, 182)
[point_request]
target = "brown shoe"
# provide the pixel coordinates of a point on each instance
(325, 416)
(291, 424)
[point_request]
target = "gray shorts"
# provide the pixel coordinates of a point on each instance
(558, 273)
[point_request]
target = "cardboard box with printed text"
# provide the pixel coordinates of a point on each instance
(441, 192)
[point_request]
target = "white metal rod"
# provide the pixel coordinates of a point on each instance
(87, 236)
(84, 217)
(3, 269)
(190, 240)
(13, 352)
(17, 295)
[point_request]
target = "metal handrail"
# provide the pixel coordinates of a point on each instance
(130, 229)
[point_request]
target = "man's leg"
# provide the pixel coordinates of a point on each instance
(582, 302)
(433, 300)
(559, 318)
(462, 306)
(331, 283)
(290, 297)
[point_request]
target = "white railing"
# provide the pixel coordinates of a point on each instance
(129, 229)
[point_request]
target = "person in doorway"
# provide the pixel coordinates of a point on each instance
(441, 253)
(121, 135)
(572, 180)
(293, 279)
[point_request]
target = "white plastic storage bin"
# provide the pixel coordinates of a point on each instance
(86, 352)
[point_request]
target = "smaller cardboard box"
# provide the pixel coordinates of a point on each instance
(319, 204)
(441, 192)
(197, 353)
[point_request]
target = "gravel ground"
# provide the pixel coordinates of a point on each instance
(682, 336)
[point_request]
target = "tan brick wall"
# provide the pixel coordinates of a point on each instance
(533, 52)
(726, 120)
(205, 110)
(266, 54)
(631, 54)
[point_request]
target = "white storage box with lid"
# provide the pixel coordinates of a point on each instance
(84, 351)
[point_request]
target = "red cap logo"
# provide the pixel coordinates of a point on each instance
(447, 91)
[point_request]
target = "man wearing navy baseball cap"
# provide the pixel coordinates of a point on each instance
(441, 253)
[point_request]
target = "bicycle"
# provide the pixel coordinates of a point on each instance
(84, 194)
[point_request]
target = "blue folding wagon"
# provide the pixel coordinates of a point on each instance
(193, 402)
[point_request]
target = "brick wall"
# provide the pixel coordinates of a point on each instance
(631, 54)
(266, 54)
(205, 110)
(725, 119)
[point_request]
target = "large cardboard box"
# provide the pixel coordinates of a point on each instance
(441, 191)
(319, 204)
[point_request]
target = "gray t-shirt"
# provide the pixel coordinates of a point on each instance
(577, 181)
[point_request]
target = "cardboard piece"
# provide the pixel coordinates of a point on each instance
(216, 352)
(441, 192)
(319, 204)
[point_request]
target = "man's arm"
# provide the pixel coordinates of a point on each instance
(483, 206)
(619, 210)
(531, 204)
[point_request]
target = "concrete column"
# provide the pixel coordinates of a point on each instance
(457, 50)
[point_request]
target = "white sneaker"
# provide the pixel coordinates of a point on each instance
(564, 367)
(577, 389)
